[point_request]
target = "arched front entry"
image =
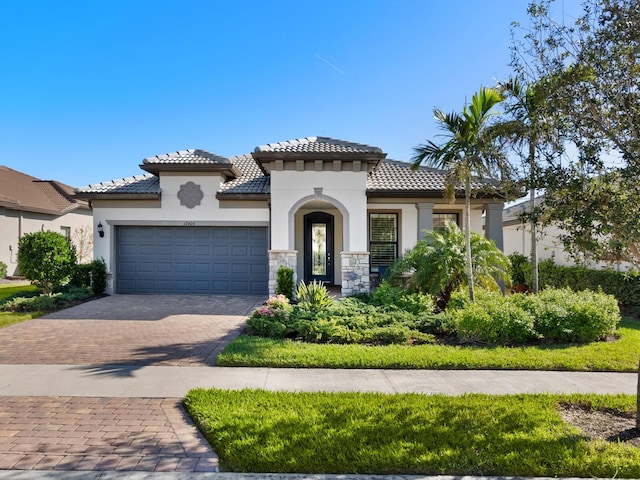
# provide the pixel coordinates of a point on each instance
(319, 247)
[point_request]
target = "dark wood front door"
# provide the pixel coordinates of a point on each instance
(318, 247)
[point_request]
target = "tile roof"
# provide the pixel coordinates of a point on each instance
(317, 145)
(19, 191)
(190, 157)
(252, 180)
(397, 176)
(138, 184)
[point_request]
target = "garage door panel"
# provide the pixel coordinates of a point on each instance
(202, 268)
(220, 268)
(220, 251)
(239, 251)
(191, 260)
(201, 250)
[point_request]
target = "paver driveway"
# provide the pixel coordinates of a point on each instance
(175, 330)
(101, 433)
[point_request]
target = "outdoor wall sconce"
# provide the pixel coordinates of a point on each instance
(100, 230)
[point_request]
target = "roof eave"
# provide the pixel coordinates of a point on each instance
(242, 196)
(117, 196)
(377, 193)
(226, 170)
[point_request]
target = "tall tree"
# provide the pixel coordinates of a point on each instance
(529, 130)
(468, 151)
(595, 64)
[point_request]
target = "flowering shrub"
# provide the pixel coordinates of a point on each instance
(271, 319)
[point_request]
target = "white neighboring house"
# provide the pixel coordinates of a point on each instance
(28, 205)
(333, 210)
(517, 239)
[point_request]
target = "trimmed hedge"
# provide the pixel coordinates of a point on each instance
(552, 316)
(624, 286)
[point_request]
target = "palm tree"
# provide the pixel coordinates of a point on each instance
(469, 151)
(439, 266)
(524, 108)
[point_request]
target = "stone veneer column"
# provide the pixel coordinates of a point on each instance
(355, 272)
(281, 258)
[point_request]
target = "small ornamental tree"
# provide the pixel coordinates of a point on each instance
(46, 258)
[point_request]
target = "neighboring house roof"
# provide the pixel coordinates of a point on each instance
(512, 215)
(19, 191)
(246, 178)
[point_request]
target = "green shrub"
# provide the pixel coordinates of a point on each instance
(396, 334)
(284, 282)
(3, 269)
(565, 316)
(386, 294)
(81, 276)
(520, 271)
(271, 319)
(313, 296)
(625, 286)
(98, 276)
(436, 265)
(46, 258)
(497, 322)
(36, 302)
(558, 316)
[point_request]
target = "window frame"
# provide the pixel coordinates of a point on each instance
(396, 243)
(450, 212)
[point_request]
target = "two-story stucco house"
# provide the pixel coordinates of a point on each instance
(332, 210)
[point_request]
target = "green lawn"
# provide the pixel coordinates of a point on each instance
(524, 435)
(9, 289)
(10, 318)
(616, 356)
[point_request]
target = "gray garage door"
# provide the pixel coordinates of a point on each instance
(229, 260)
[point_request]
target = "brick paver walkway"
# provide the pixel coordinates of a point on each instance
(74, 433)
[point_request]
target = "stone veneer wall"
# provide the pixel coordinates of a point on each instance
(355, 272)
(278, 258)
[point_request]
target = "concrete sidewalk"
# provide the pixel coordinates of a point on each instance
(174, 382)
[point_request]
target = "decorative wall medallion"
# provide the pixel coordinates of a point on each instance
(190, 195)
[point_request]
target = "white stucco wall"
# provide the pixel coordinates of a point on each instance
(14, 223)
(290, 190)
(517, 239)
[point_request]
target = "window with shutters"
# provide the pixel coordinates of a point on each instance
(441, 219)
(383, 239)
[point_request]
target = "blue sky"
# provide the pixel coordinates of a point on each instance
(90, 88)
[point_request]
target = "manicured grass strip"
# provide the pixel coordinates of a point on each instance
(10, 318)
(259, 431)
(618, 356)
(8, 289)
